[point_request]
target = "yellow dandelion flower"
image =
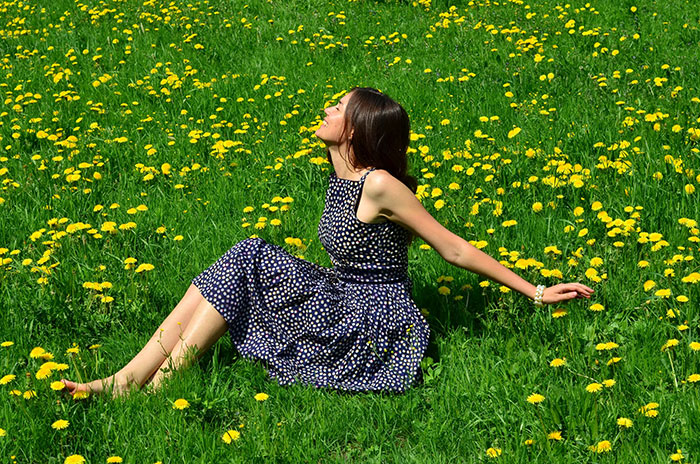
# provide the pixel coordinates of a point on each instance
(651, 413)
(558, 362)
(624, 422)
(7, 379)
(695, 346)
(663, 292)
(37, 352)
(493, 452)
(670, 343)
(57, 385)
(609, 383)
(181, 403)
(231, 435)
(559, 312)
(535, 398)
(556, 435)
(81, 395)
(694, 378)
(74, 459)
(261, 396)
(677, 456)
(529, 442)
(597, 307)
(115, 459)
(144, 267)
(2, 432)
(29, 394)
(60, 424)
(593, 387)
(603, 446)
(6, 344)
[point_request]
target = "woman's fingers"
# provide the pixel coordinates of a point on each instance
(565, 292)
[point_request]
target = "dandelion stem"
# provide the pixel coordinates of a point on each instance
(673, 370)
(544, 429)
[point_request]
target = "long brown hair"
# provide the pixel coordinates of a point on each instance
(380, 131)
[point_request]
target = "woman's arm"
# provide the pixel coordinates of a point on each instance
(475, 260)
(398, 204)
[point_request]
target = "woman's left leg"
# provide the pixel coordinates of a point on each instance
(204, 329)
(152, 355)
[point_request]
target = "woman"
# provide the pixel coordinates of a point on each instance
(352, 327)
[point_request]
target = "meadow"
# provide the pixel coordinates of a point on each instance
(140, 140)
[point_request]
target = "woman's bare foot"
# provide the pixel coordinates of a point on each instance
(117, 387)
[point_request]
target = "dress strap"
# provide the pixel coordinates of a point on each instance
(359, 193)
(362, 179)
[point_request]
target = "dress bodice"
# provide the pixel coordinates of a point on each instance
(360, 251)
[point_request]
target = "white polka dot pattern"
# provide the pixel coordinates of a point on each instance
(351, 327)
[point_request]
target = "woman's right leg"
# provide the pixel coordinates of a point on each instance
(153, 354)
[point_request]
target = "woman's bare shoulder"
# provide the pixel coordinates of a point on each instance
(380, 183)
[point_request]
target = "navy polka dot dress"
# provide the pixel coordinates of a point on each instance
(351, 327)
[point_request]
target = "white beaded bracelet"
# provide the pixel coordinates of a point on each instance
(539, 293)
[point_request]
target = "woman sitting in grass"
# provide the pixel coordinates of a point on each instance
(354, 326)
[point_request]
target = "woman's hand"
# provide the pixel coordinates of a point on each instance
(564, 292)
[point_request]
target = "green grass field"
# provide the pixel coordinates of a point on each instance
(140, 140)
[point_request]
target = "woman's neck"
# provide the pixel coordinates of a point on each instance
(342, 166)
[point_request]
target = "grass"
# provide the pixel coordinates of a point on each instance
(197, 110)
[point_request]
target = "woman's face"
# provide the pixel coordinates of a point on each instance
(331, 130)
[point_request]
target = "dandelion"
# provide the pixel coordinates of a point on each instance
(181, 404)
(556, 435)
(115, 459)
(558, 362)
(529, 442)
(677, 456)
(37, 352)
(261, 396)
(231, 435)
(670, 343)
(74, 459)
(559, 312)
(597, 307)
(624, 422)
(650, 409)
(695, 346)
(7, 379)
(60, 424)
(493, 452)
(144, 267)
(57, 385)
(694, 378)
(594, 387)
(535, 398)
(609, 383)
(81, 395)
(6, 344)
(602, 447)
